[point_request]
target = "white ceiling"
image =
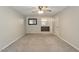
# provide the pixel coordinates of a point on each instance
(27, 10)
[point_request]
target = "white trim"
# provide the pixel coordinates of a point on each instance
(12, 42)
(67, 42)
(40, 33)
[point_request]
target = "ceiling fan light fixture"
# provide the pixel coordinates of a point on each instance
(40, 12)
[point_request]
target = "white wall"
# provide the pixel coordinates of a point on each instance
(11, 26)
(68, 26)
(37, 28)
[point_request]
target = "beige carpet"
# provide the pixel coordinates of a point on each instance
(40, 43)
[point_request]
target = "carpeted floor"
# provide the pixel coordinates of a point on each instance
(39, 43)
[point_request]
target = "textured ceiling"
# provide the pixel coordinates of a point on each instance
(27, 10)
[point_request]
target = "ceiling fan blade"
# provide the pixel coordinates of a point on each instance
(40, 7)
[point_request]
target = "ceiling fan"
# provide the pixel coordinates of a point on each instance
(41, 9)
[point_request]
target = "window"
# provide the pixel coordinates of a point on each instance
(32, 21)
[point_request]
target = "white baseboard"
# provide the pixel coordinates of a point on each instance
(41, 33)
(12, 42)
(67, 42)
